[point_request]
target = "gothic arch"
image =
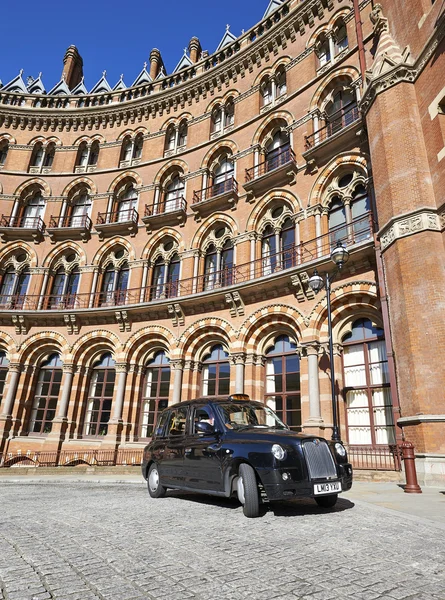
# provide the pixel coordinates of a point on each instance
(86, 181)
(346, 73)
(114, 241)
(86, 349)
(218, 148)
(202, 332)
(204, 228)
(42, 343)
(260, 326)
(33, 183)
(13, 247)
(61, 249)
(155, 240)
(127, 175)
(170, 166)
(284, 115)
(257, 212)
(142, 341)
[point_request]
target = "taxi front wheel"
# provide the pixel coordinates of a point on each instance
(155, 488)
(247, 490)
(327, 501)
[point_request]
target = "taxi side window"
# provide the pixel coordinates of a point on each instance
(203, 414)
(160, 428)
(177, 422)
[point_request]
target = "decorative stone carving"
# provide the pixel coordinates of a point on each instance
(71, 324)
(236, 304)
(20, 324)
(123, 320)
(176, 313)
(408, 225)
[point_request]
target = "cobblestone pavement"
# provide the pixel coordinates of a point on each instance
(85, 541)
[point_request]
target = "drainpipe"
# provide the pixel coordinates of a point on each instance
(359, 33)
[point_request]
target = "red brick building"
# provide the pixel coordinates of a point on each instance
(157, 240)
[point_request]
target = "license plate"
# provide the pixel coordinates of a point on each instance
(333, 487)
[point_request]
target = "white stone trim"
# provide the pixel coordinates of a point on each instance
(415, 419)
(423, 219)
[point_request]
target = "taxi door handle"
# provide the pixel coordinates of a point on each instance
(188, 451)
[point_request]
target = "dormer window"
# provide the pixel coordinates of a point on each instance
(131, 151)
(42, 158)
(175, 137)
(223, 117)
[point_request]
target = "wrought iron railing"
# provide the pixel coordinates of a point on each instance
(375, 458)
(35, 223)
(357, 231)
(72, 458)
(80, 221)
(216, 189)
(129, 215)
(275, 159)
(166, 206)
(338, 121)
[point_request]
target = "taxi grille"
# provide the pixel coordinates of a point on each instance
(319, 460)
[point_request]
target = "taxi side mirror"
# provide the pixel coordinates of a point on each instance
(205, 428)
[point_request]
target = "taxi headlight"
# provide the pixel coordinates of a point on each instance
(340, 449)
(278, 452)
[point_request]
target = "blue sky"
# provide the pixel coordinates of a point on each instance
(113, 36)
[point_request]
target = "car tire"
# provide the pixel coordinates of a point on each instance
(155, 488)
(327, 501)
(248, 493)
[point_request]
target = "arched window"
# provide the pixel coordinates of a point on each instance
(49, 156)
(322, 50)
(337, 220)
(13, 287)
(33, 211)
(266, 91)
(277, 150)
(283, 381)
(138, 145)
(223, 176)
(341, 111)
(340, 36)
(4, 147)
(37, 155)
(210, 268)
(127, 149)
(349, 209)
(229, 113)
(367, 390)
(82, 155)
(64, 288)
(215, 376)
(100, 396)
(126, 203)
(155, 392)
(114, 285)
(281, 81)
(174, 192)
(46, 395)
(170, 138)
(4, 365)
(182, 134)
(80, 210)
(216, 119)
(278, 247)
(166, 278)
(94, 154)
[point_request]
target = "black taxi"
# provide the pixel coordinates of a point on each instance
(235, 446)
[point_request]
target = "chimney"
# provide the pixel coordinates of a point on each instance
(156, 63)
(195, 49)
(72, 67)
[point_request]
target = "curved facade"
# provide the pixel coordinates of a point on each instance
(157, 240)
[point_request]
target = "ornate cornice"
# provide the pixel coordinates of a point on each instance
(423, 219)
(258, 45)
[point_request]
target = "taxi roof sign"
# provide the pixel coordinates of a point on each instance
(237, 397)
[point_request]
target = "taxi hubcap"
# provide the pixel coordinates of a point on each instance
(154, 480)
(240, 489)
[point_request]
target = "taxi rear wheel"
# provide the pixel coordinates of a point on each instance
(247, 490)
(327, 501)
(155, 488)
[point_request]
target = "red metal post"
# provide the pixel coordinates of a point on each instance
(411, 487)
(360, 44)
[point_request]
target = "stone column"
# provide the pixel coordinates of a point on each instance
(239, 360)
(144, 282)
(93, 289)
(121, 371)
(68, 373)
(314, 423)
(331, 45)
(43, 290)
(14, 375)
(178, 367)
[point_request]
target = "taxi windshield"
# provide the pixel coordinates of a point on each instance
(244, 415)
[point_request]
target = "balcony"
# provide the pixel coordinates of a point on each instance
(215, 197)
(279, 168)
(21, 228)
(117, 222)
(340, 132)
(71, 227)
(167, 212)
(267, 272)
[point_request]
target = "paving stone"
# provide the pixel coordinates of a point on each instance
(97, 542)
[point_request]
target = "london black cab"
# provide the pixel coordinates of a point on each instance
(235, 446)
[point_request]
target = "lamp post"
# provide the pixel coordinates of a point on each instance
(339, 257)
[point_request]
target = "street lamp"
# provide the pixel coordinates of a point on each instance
(339, 256)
